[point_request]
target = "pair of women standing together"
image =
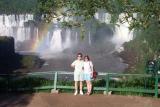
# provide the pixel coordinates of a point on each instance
(83, 70)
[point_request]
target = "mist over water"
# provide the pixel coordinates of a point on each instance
(59, 46)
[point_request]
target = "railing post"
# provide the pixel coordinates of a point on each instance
(54, 90)
(107, 83)
(55, 80)
(156, 85)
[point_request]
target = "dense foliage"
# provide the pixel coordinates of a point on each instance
(17, 6)
(29, 83)
(147, 11)
(144, 47)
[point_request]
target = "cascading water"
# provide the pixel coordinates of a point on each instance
(122, 34)
(14, 25)
(89, 38)
(99, 42)
(56, 41)
(68, 41)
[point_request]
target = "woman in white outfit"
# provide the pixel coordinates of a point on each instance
(88, 72)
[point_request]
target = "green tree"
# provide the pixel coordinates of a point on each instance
(17, 6)
(147, 11)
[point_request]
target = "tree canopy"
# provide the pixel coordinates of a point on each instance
(17, 6)
(139, 13)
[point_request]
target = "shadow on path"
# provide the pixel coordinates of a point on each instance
(15, 100)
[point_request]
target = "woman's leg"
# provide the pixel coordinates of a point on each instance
(87, 86)
(90, 86)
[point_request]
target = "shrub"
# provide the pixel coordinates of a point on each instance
(31, 61)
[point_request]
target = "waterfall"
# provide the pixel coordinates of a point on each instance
(13, 25)
(76, 37)
(48, 40)
(89, 38)
(56, 41)
(18, 26)
(20, 34)
(67, 43)
(103, 17)
(121, 34)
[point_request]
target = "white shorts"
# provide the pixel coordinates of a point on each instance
(78, 76)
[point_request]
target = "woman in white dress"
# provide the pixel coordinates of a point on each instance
(88, 72)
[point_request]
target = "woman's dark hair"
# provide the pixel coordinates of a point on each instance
(79, 54)
(86, 56)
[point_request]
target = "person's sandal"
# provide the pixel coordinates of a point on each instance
(88, 93)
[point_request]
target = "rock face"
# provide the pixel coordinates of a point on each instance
(8, 60)
(11, 61)
(6, 46)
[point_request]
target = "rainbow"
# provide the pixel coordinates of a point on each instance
(40, 37)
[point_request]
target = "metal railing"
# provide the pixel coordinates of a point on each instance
(138, 83)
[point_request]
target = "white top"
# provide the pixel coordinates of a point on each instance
(88, 67)
(78, 65)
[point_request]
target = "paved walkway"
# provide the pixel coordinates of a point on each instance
(68, 100)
